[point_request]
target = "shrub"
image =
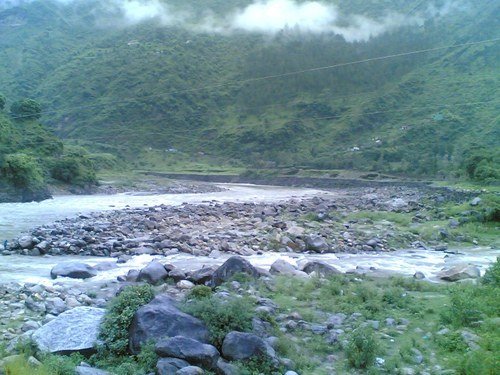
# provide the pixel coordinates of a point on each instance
(360, 348)
(23, 171)
(492, 275)
(464, 308)
(26, 109)
(200, 292)
(451, 342)
(3, 100)
(222, 316)
(116, 322)
(257, 366)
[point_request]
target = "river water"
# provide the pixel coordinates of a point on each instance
(16, 218)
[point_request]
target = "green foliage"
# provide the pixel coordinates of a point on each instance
(451, 342)
(26, 109)
(23, 171)
(361, 348)
(257, 366)
(492, 275)
(3, 100)
(121, 310)
(74, 167)
(483, 165)
(222, 315)
(200, 292)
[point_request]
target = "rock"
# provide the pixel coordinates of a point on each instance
(75, 330)
(55, 306)
(226, 368)
(177, 275)
(281, 267)
(73, 270)
(419, 275)
(26, 242)
(185, 285)
(316, 243)
(320, 268)
(160, 319)
(203, 276)
(105, 266)
(33, 362)
(239, 346)
(169, 366)
(153, 273)
(475, 201)
(231, 267)
(190, 350)
(85, 370)
(132, 276)
(460, 272)
(417, 356)
(190, 370)
(291, 373)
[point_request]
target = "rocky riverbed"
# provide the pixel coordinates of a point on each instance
(336, 224)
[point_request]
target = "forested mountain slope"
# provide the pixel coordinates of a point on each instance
(187, 76)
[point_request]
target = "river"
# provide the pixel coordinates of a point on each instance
(16, 218)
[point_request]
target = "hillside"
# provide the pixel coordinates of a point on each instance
(163, 91)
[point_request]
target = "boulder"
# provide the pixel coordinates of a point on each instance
(86, 370)
(316, 243)
(73, 270)
(190, 350)
(153, 273)
(231, 267)
(160, 319)
(202, 276)
(320, 269)
(55, 306)
(105, 266)
(169, 366)
(460, 272)
(281, 267)
(226, 368)
(239, 346)
(74, 330)
(190, 370)
(26, 242)
(177, 275)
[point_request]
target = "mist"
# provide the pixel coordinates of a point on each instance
(266, 17)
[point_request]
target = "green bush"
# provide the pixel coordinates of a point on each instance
(464, 308)
(451, 342)
(75, 167)
(492, 275)
(200, 292)
(3, 100)
(360, 350)
(222, 316)
(116, 322)
(257, 366)
(26, 109)
(23, 172)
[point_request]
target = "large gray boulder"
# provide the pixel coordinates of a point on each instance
(320, 268)
(282, 267)
(316, 243)
(161, 319)
(231, 267)
(73, 270)
(460, 272)
(170, 366)
(203, 275)
(239, 346)
(192, 351)
(153, 273)
(74, 330)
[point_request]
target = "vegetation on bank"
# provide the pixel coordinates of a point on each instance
(391, 324)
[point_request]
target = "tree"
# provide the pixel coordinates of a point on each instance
(26, 109)
(2, 102)
(23, 172)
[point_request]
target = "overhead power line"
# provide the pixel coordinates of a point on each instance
(274, 76)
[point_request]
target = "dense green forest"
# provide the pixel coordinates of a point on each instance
(187, 89)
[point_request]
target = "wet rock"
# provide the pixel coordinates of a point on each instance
(230, 268)
(281, 267)
(419, 275)
(161, 318)
(154, 273)
(190, 350)
(460, 272)
(177, 275)
(73, 270)
(105, 266)
(239, 346)
(75, 330)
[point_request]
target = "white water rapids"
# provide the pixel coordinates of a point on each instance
(16, 218)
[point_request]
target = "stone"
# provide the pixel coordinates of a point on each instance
(190, 370)
(86, 370)
(203, 276)
(417, 356)
(419, 275)
(316, 243)
(160, 319)
(73, 270)
(475, 201)
(55, 306)
(320, 268)
(190, 350)
(26, 242)
(169, 366)
(185, 285)
(226, 368)
(153, 273)
(177, 275)
(231, 267)
(281, 267)
(239, 346)
(105, 266)
(460, 272)
(74, 330)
